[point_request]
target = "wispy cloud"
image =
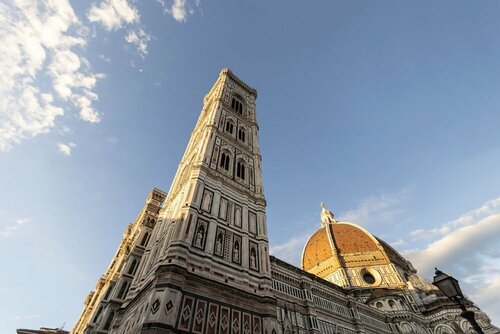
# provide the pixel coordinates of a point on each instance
(291, 250)
(113, 14)
(10, 229)
(121, 14)
(27, 317)
(42, 67)
(381, 208)
(140, 39)
(64, 130)
(179, 9)
(104, 58)
(66, 149)
(487, 209)
(467, 248)
(398, 243)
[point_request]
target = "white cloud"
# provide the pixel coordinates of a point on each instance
(66, 149)
(291, 250)
(27, 317)
(39, 45)
(489, 208)
(140, 39)
(9, 230)
(398, 243)
(117, 14)
(64, 130)
(467, 248)
(383, 208)
(104, 58)
(113, 14)
(180, 9)
(461, 247)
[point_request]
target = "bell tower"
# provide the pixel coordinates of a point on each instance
(206, 268)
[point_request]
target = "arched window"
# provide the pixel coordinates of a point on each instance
(237, 105)
(240, 170)
(224, 161)
(392, 304)
(96, 317)
(145, 239)
(107, 325)
(123, 290)
(229, 127)
(133, 266)
(241, 134)
(108, 292)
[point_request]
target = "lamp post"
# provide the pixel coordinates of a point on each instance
(451, 289)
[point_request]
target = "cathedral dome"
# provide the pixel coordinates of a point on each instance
(340, 240)
(349, 255)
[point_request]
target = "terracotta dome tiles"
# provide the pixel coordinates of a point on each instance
(317, 249)
(350, 239)
(355, 246)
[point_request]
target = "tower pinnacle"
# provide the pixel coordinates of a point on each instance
(327, 217)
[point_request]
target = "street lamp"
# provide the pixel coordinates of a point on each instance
(451, 289)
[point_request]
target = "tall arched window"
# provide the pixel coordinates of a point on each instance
(240, 170)
(145, 239)
(109, 320)
(241, 134)
(237, 105)
(96, 317)
(229, 127)
(224, 161)
(123, 290)
(133, 266)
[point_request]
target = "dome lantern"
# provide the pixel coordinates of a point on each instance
(327, 217)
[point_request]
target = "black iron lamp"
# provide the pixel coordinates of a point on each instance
(450, 288)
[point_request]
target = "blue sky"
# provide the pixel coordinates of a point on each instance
(387, 111)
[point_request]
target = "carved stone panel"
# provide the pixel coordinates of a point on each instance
(247, 324)
(224, 324)
(212, 319)
(236, 322)
(186, 313)
(199, 317)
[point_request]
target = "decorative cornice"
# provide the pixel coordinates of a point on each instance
(250, 90)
